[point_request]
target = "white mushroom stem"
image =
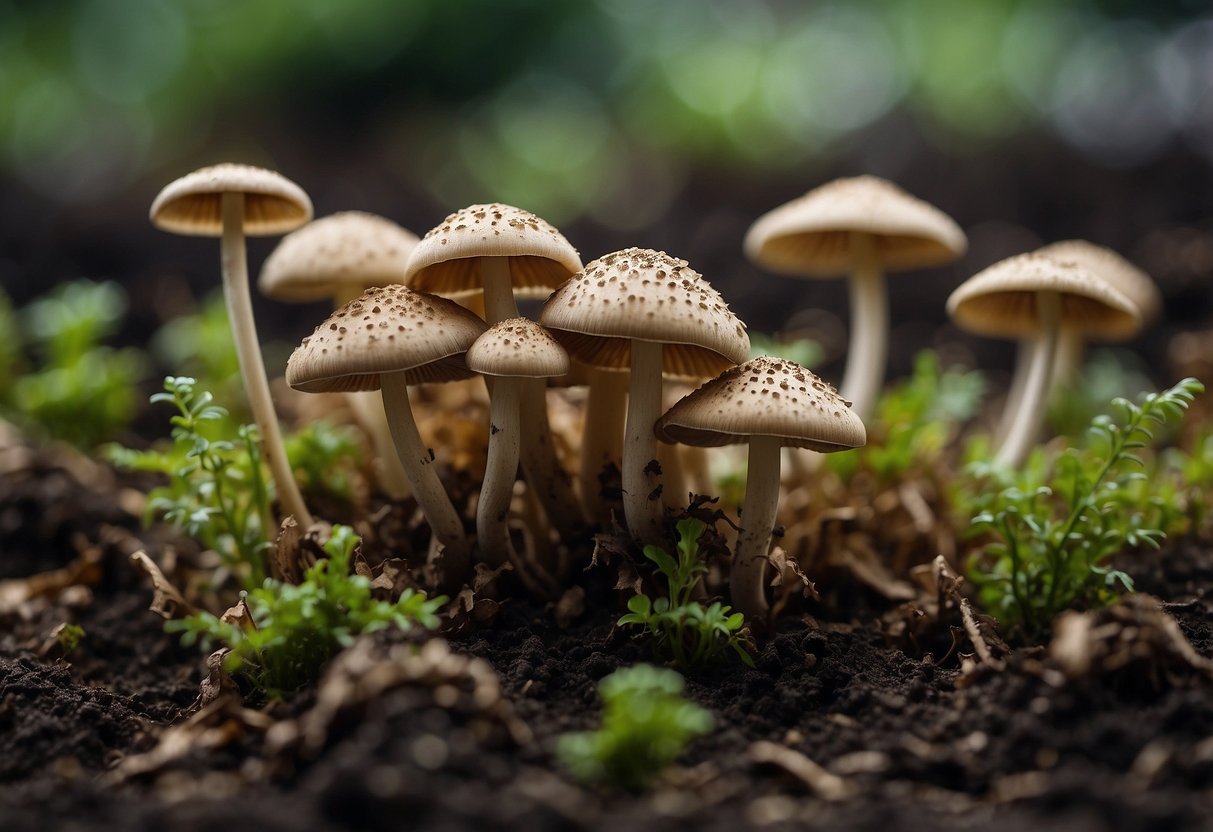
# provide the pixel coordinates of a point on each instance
(601, 436)
(1027, 420)
(546, 477)
(642, 508)
(367, 407)
(1068, 361)
(1019, 380)
(499, 303)
(234, 263)
(492, 513)
(747, 584)
(673, 478)
(868, 349)
(418, 462)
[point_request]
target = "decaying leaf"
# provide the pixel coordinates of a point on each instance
(167, 601)
(820, 782)
(85, 570)
(570, 607)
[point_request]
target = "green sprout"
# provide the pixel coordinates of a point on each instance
(683, 631)
(645, 726)
(1054, 527)
(291, 631)
(82, 391)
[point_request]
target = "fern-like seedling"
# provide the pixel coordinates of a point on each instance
(292, 630)
(685, 632)
(1056, 527)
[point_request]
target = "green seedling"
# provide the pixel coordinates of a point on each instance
(81, 391)
(646, 724)
(914, 422)
(292, 630)
(1053, 527)
(684, 632)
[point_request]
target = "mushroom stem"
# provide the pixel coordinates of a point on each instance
(869, 327)
(673, 478)
(543, 471)
(492, 527)
(367, 407)
(747, 588)
(641, 505)
(602, 436)
(418, 462)
(1067, 363)
(234, 262)
(1019, 379)
(1028, 417)
(499, 303)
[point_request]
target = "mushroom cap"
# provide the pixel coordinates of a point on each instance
(519, 348)
(347, 250)
(193, 204)
(645, 295)
(385, 330)
(764, 397)
(1129, 280)
(811, 235)
(1000, 300)
(445, 261)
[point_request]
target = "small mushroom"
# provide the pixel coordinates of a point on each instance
(517, 353)
(769, 403)
(386, 339)
(231, 201)
(653, 313)
(1034, 296)
(863, 227)
(338, 257)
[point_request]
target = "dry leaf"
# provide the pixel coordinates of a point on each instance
(167, 601)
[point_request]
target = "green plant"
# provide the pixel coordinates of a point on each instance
(645, 726)
(324, 458)
(82, 391)
(200, 345)
(1054, 527)
(217, 490)
(684, 631)
(1104, 376)
(914, 421)
(292, 630)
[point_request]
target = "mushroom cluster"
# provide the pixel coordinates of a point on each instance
(625, 324)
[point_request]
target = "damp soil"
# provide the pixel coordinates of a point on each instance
(871, 736)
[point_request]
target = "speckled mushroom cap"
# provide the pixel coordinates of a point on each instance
(646, 295)
(811, 236)
(520, 348)
(385, 330)
(1129, 280)
(764, 397)
(1000, 300)
(444, 262)
(348, 250)
(193, 204)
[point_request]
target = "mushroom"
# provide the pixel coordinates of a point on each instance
(498, 250)
(770, 403)
(336, 258)
(862, 227)
(230, 201)
(651, 312)
(388, 338)
(517, 353)
(605, 410)
(1035, 296)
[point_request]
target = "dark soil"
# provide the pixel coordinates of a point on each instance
(901, 741)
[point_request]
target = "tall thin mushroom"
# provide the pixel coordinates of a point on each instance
(861, 227)
(648, 311)
(231, 201)
(768, 403)
(1031, 295)
(337, 258)
(389, 338)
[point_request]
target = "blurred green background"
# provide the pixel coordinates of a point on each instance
(668, 124)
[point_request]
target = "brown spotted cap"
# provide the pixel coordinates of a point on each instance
(386, 330)
(764, 397)
(520, 348)
(193, 204)
(1000, 301)
(646, 295)
(1131, 281)
(811, 236)
(348, 250)
(445, 261)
